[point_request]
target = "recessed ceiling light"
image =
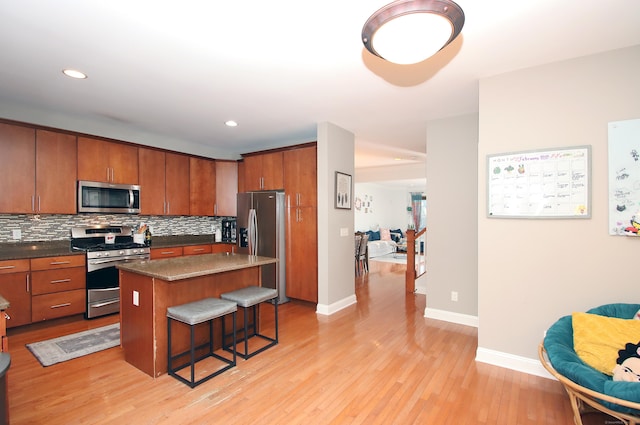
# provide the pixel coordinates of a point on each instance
(73, 73)
(231, 123)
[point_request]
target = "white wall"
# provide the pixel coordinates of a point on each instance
(382, 205)
(451, 238)
(531, 272)
(336, 284)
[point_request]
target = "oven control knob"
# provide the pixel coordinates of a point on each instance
(98, 255)
(121, 253)
(105, 254)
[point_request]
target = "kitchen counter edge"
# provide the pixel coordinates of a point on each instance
(179, 268)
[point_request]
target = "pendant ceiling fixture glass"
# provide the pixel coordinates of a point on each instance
(410, 31)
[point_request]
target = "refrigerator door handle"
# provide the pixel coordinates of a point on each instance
(253, 232)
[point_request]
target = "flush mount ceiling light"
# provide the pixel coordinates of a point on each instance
(410, 31)
(231, 123)
(74, 73)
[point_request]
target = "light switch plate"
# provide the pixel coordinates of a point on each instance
(344, 231)
(16, 234)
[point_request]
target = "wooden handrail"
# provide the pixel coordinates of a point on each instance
(411, 274)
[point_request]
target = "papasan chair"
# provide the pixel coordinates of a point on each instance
(590, 391)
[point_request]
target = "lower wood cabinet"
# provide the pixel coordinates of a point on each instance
(302, 254)
(58, 304)
(174, 251)
(196, 249)
(58, 287)
(15, 287)
(43, 288)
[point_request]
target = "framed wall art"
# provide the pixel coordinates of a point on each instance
(343, 191)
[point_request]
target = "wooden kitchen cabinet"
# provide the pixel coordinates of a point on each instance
(174, 251)
(15, 287)
(300, 185)
(300, 176)
(56, 173)
(226, 188)
(241, 177)
(264, 171)
(196, 249)
(202, 190)
(164, 182)
(105, 161)
(17, 163)
(302, 253)
(58, 287)
(219, 248)
(39, 171)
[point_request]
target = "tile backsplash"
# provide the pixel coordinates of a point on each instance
(35, 228)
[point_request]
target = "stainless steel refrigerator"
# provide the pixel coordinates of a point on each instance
(260, 231)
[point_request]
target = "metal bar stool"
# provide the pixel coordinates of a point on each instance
(246, 298)
(192, 314)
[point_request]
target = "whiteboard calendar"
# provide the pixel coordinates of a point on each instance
(552, 183)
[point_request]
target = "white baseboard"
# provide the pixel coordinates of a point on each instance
(492, 357)
(448, 316)
(329, 309)
(513, 362)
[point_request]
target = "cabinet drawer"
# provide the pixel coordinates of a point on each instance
(48, 263)
(175, 251)
(14, 266)
(49, 281)
(196, 249)
(59, 304)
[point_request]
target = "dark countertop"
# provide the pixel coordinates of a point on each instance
(26, 250)
(178, 268)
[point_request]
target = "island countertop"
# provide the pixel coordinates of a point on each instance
(179, 268)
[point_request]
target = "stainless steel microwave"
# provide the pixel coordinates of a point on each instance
(98, 197)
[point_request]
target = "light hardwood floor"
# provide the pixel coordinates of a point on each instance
(377, 362)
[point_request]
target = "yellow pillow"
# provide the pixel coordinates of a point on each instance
(597, 339)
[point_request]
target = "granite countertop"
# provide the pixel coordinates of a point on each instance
(178, 268)
(26, 250)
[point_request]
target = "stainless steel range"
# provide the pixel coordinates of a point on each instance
(106, 246)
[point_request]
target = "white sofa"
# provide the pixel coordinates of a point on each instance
(380, 248)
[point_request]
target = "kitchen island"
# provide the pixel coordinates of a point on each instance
(147, 288)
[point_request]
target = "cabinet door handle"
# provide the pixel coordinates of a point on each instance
(7, 267)
(58, 263)
(167, 252)
(39, 209)
(60, 305)
(28, 290)
(33, 202)
(60, 281)
(168, 208)
(108, 175)
(198, 249)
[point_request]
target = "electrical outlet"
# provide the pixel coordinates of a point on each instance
(136, 298)
(16, 234)
(454, 296)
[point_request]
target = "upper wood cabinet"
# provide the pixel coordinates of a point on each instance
(164, 182)
(202, 191)
(104, 161)
(17, 162)
(226, 188)
(264, 171)
(300, 177)
(39, 171)
(56, 172)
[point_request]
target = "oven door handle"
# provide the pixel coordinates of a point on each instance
(111, 260)
(131, 198)
(104, 303)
